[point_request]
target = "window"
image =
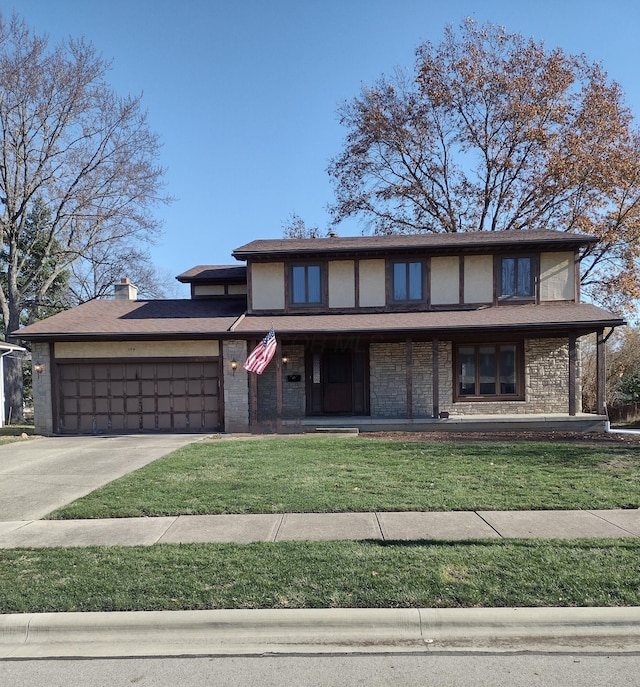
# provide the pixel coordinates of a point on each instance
(488, 370)
(407, 282)
(516, 277)
(306, 285)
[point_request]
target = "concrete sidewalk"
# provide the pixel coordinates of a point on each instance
(244, 529)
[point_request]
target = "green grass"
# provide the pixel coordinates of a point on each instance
(365, 474)
(322, 575)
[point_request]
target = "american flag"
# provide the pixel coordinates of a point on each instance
(262, 354)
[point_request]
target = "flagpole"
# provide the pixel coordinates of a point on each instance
(278, 388)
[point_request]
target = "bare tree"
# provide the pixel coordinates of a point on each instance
(296, 228)
(86, 153)
(94, 275)
(493, 132)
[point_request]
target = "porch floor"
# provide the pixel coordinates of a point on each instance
(544, 422)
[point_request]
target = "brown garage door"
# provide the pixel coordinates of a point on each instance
(120, 397)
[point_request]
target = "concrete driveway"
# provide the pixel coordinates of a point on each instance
(39, 475)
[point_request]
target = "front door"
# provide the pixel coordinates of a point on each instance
(338, 382)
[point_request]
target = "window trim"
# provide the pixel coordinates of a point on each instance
(519, 394)
(321, 285)
(502, 298)
(391, 264)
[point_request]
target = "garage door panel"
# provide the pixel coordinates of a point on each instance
(148, 405)
(164, 387)
(132, 405)
(86, 425)
(179, 387)
(85, 389)
(116, 396)
(85, 372)
(147, 388)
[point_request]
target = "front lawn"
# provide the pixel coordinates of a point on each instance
(370, 474)
(322, 575)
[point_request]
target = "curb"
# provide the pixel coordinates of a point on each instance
(320, 631)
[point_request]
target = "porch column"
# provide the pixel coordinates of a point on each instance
(573, 362)
(435, 374)
(253, 394)
(409, 354)
(278, 388)
(601, 376)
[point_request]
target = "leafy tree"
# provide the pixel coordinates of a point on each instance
(69, 142)
(494, 132)
(629, 386)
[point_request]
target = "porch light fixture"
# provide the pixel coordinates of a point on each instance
(38, 367)
(234, 366)
(285, 359)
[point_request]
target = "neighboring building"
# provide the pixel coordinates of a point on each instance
(375, 332)
(5, 350)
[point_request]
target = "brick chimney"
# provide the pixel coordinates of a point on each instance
(125, 291)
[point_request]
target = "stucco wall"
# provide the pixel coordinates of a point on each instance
(557, 276)
(478, 279)
(267, 286)
(445, 280)
(342, 285)
(136, 349)
(372, 283)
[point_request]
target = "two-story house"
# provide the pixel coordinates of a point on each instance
(376, 332)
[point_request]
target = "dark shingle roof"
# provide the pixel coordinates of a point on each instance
(121, 319)
(214, 274)
(461, 241)
(125, 319)
(565, 316)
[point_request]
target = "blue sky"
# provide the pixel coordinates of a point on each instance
(244, 93)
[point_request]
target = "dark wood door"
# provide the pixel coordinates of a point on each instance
(338, 382)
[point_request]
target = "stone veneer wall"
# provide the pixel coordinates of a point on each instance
(546, 363)
(293, 393)
(388, 378)
(42, 399)
(546, 381)
(236, 387)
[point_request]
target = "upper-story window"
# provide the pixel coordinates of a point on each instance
(516, 277)
(407, 281)
(306, 285)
